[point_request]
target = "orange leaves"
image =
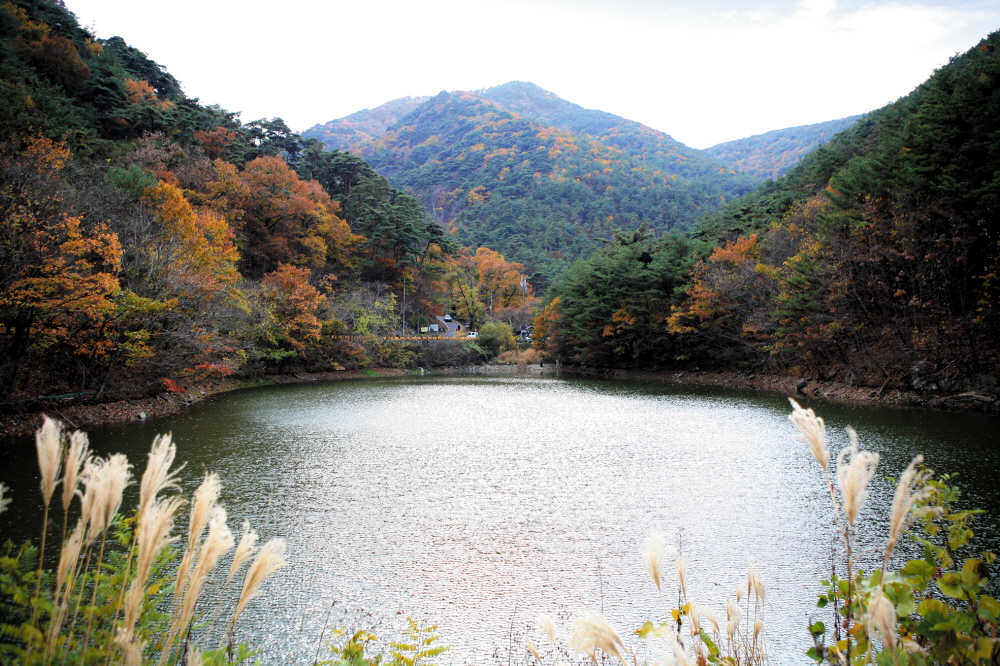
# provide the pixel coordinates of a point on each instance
(214, 141)
(278, 217)
(738, 251)
(140, 93)
(197, 249)
(293, 305)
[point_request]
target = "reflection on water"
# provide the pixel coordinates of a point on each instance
(480, 503)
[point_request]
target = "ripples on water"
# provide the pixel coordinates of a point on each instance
(478, 504)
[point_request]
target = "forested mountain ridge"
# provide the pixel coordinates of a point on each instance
(540, 195)
(874, 261)
(146, 239)
(771, 154)
(350, 132)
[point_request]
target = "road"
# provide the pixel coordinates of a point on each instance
(452, 327)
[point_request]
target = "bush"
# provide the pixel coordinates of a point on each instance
(496, 336)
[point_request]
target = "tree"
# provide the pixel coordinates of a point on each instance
(57, 273)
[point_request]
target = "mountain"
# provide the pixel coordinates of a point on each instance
(874, 261)
(542, 180)
(350, 131)
(771, 154)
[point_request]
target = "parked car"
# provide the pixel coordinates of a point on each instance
(472, 334)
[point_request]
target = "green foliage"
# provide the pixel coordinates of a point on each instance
(614, 304)
(496, 337)
(542, 193)
(418, 648)
(771, 154)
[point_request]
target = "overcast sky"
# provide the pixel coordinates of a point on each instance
(704, 71)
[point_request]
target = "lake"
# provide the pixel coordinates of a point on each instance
(479, 503)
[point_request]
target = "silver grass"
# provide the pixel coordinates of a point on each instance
(679, 655)
(813, 430)
(758, 628)
(653, 555)
(48, 442)
(76, 455)
(131, 649)
(117, 476)
(710, 616)
(910, 489)
(534, 652)
(194, 655)
(695, 619)
(854, 471)
(244, 551)
(152, 536)
(158, 476)
(592, 633)
(201, 510)
(104, 482)
(217, 543)
(681, 575)
(547, 624)
(70, 553)
(756, 585)
(882, 617)
(732, 617)
(4, 501)
(270, 558)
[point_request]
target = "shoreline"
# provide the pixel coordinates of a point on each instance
(81, 416)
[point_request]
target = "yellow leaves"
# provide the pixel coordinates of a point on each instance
(197, 247)
(477, 195)
(140, 93)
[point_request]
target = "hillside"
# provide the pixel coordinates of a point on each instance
(873, 262)
(351, 131)
(771, 154)
(148, 240)
(539, 194)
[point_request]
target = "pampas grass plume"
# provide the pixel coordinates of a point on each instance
(813, 430)
(592, 633)
(547, 624)
(270, 558)
(152, 536)
(854, 471)
(217, 543)
(244, 551)
(732, 617)
(201, 510)
(534, 652)
(882, 616)
(48, 442)
(158, 476)
(70, 553)
(756, 585)
(909, 490)
(681, 569)
(104, 481)
(79, 451)
(653, 557)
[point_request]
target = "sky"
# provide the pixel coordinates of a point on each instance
(703, 71)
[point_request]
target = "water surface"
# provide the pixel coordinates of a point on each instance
(478, 503)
